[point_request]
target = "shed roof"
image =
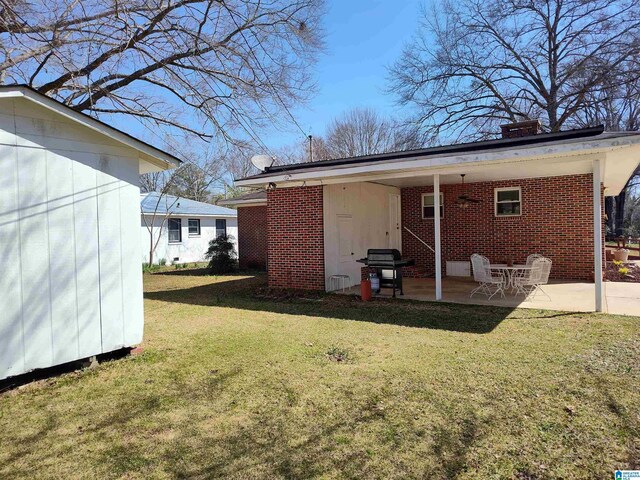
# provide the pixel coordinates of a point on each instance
(149, 154)
(179, 206)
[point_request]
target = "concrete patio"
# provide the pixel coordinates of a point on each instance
(620, 298)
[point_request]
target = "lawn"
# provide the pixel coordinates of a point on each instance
(237, 381)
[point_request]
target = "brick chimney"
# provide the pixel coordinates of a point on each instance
(521, 129)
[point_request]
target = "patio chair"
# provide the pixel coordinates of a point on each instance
(532, 257)
(531, 281)
(490, 285)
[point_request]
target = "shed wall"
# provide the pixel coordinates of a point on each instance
(69, 200)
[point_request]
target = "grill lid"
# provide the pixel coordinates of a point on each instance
(383, 255)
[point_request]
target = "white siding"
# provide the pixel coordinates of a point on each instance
(192, 248)
(85, 222)
(62, 261)
(69, 203)
(11, 338)
(367, 204)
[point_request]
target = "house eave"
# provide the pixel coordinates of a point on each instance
(445, 164)
(245, 203)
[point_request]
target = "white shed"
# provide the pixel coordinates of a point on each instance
(71, 282)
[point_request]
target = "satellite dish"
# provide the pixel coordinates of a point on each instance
(262, 162)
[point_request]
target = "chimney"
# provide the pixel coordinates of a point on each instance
(521, 129)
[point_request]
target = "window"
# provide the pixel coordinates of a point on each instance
(194, 227)
(427, 205)
(508, 202)
(221, 227)
(175, 230)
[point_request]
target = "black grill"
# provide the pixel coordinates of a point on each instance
(387, 259)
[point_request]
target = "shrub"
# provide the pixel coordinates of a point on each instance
(162, 262)
(221, 255)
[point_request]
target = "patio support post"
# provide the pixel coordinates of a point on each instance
(597, 233)
(436, 223)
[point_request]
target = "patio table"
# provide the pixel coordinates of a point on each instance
(510, 272)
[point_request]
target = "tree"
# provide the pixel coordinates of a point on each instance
(221, 255)
(475, 64)
(201, 172)
(362, 131)
(616, 105)
(205, 67)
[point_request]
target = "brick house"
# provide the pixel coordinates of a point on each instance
(252, 229)
(527, 192)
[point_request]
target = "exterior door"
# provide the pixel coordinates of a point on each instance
(395, 232)
(345, 239)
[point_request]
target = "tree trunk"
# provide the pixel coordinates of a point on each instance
(620, 201)
(151, 248)
(609, 203)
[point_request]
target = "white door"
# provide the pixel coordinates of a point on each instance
(395, 232)
(345, 239)
(347, 264)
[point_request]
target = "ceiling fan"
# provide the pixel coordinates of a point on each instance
(463, 201)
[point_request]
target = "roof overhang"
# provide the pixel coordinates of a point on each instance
(245, 203)
(151, 158)
(621, 155)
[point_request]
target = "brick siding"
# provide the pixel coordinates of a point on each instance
(252, 237)
(556, 221)
(295, 238)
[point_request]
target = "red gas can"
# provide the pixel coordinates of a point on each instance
(365, 290)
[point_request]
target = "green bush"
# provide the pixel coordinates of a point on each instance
(162, 262)
(221, 255)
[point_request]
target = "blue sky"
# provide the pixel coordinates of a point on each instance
(363, 37)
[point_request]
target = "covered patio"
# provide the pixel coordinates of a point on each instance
(619, 298)
(505, 199)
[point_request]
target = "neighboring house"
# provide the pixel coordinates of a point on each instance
(183, 227)
(252, 229)
(537, 193)
(71, 283)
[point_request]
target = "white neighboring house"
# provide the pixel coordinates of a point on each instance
(71, 282)
(183, 227)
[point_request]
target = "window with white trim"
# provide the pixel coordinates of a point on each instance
(428, 207)
(175, 230)
(194, 227)
(508, 202)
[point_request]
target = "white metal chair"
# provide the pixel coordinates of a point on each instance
(531, 281)
(532, 257)
(490, 285)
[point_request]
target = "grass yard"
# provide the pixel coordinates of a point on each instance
(236, 381)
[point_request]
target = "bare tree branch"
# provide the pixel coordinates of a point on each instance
(474, 64)
(207, 67)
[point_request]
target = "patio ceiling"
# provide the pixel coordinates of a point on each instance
(482, 173)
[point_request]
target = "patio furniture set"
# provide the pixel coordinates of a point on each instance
(501, 278)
